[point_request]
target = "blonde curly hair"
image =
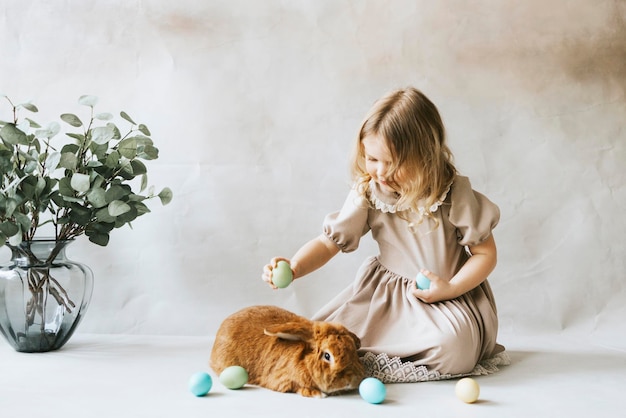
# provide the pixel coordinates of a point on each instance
(422, 168)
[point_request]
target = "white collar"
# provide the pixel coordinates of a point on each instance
(387, 202)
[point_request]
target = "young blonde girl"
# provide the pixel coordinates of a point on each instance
(425, 218)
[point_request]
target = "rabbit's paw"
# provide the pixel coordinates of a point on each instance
(311, 393)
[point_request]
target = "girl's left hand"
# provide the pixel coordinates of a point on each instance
(439, 290)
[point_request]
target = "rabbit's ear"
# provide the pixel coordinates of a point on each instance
(357, 340)
(292, 331)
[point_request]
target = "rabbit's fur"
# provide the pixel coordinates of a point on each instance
(288, 353)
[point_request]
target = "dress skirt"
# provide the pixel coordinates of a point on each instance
(448, 337)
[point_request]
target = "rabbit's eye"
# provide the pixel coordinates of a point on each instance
(327, 356)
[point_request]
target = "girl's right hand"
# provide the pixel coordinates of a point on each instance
(268, 270)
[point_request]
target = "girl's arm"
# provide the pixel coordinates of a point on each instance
(474, 272)
(313, 255)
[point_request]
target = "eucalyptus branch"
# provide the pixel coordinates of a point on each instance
(93, 196)
(13, 108)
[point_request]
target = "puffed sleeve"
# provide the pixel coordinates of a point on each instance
(346, 227)
(472, 213)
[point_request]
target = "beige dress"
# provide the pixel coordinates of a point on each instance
(445, 338)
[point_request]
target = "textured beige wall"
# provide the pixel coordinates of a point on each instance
(254, 106)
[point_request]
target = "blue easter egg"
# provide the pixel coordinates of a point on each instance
(372, 390)
(200, 383)
(422, 282)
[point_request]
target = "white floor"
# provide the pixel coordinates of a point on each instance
(138, 376)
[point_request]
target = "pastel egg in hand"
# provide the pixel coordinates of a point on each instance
(282, 276)
(422, 282)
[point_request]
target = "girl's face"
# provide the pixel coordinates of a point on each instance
(378, 160)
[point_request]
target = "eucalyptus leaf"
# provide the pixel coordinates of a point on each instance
(12, 135)
(102, 215)
(11, 205)
(143, 140)
(94, 164)
(65, 188)
(59, 199)
(9, 228)
(88, 100)
(72, 199)
(143, 129)
(31, 166)
(70, 148)
(97, 181)
(117, 208)
(28, 187)
(141, 208)
(6, 164)
(32, 123)
(50, 131)
(29, 106)
(29, 156)
(116, 193)
(79, 137)
(128, 216)
(99, 151)
(116, 131)
(104, 116)
(138, 168)
(53, 160)
(113, 159)
(71, 119)
(128, 118)
(23, 221)
(102, 134)
(101, 227)
(148, 152)
(127, 169)
(97, 197)
(128, 148)
(80, 214)
(98, 238)
(40, 186)
(68, 161)
(166, 195)
(15, 240)
(137, 198)
(80, 182)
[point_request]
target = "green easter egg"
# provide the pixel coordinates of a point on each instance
(234, 377)
(282, 276)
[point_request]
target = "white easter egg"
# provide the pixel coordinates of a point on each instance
(467, 390)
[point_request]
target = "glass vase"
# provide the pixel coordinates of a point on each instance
(43, 295)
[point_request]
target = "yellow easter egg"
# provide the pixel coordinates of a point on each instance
(467, 390)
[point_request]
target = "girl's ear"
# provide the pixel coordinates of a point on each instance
(292, 331)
